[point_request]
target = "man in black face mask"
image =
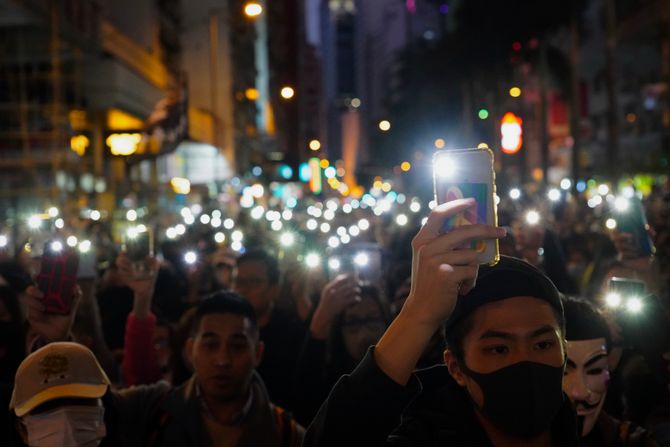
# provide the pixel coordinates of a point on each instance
(501, 382)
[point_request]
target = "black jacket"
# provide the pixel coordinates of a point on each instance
(367, 408)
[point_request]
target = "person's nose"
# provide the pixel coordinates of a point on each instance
(575, 387)
(223, 357)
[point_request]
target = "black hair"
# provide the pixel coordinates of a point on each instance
(583, 321)
(457, 333)
(224, 302)
(270, 262)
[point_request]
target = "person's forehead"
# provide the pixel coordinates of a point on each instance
(581, 351)
(224, 324)
(515, 314)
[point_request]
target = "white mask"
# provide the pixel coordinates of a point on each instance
(72, 426)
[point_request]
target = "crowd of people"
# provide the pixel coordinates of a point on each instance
(290, 339)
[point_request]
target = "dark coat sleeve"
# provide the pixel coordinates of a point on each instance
(363, 409)
(309, 387)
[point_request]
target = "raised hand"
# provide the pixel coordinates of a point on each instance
(440, 270)
(440, 273)
(336, 296)
(49, 327)
(143, 288)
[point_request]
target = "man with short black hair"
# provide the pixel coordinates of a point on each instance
(256, 278)
(223, 404)
(501, 382)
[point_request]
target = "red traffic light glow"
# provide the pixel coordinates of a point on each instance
(511, 131)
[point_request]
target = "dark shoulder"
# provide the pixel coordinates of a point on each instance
(442, 406)
(284, 322)
(627, 433)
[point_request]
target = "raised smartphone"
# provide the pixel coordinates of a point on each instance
(58, 277)
(468, 173)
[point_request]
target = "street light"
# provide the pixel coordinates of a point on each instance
(384, 125)
(252, 94)
(315, 145)
(515, 92)
(253, 9)
(287, 92)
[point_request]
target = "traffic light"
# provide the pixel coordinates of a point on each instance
(512, 132)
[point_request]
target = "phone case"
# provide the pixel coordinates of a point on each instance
(634, 221)
(57, 279)
(137, 249)
(482, 192)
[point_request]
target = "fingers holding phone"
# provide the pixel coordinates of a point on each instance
(50, 327)
(336, 296)
(142, 284)
(468, 174)
(138, 246)
(441, 270)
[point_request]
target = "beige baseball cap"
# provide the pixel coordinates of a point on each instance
(58, 370)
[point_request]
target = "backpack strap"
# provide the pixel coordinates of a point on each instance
(286, 427)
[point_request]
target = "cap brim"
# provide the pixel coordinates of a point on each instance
(60, 392)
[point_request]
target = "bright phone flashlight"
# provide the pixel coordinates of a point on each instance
(361, 259)
(287, 239)
(85, 246)
(444, 167)
(532, 217)
(312, 260)
(190, 257)
(334, 264)
(621, 204)
(514, 193)
(634, 305)
(613, 299)
(57, 246)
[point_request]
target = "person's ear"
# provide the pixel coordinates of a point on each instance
(260, 351)
(190, 342)
(454, 367)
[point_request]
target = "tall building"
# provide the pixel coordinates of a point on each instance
(73, 74)
(359, 44)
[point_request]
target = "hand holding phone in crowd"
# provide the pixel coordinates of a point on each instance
(57, 278)
(50, 327)
(632, 237)
(138, 246)
(462, 174)
(339, 293)
(441, 271)
(143, 286)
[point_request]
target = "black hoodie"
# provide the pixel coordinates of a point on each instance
(367, 408)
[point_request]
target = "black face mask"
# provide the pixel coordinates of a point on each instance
(521, 399)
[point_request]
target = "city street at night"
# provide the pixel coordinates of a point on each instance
(284, 223)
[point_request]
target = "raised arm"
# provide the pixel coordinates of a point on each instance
(140, 363)
(369, 402)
